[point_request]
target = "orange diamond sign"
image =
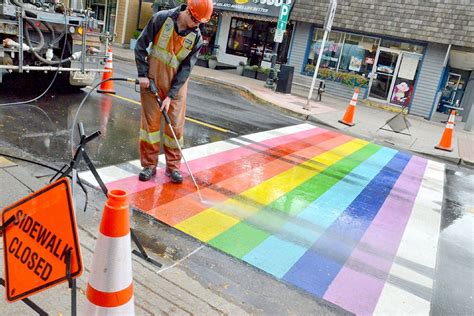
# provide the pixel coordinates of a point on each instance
(39, 234)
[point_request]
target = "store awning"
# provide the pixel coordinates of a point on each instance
(248, 16)
(269, 9)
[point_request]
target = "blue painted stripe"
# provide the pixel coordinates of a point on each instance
(319, 215)
(318, 267)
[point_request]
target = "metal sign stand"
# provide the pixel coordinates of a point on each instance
(72, 167)
(398, 123)
(72, 284)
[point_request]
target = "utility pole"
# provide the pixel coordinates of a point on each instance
(327, 28)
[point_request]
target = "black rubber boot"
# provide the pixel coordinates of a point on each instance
(146, 173)
(175, 175)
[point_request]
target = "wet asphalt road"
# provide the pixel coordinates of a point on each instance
(42, 130)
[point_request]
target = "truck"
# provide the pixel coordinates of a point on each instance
(46, 36)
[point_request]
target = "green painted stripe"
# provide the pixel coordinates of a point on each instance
(245, 236)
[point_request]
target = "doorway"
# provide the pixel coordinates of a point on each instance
(384, 73)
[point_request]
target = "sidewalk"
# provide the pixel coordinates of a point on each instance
(425, 135)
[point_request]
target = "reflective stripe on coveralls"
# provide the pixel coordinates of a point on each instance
(160, 49)
(168, 51)
(154, 138)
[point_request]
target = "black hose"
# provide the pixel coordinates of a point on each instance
(31, 161)
(84, 100)
(25, 103)
(27, 36)
(53, 34)
(34, 51)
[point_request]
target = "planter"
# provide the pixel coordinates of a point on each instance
(249, 73)
(262, 76)
(340, 89)
(212, 64)
(201, 62)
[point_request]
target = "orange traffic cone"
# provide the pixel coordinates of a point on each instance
(446, 142)
(105, 109)
(108, 86)
(110, 287)
(348, 118)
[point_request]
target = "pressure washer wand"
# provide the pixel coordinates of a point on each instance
(154, 90)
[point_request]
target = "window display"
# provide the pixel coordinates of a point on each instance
(358, 54)
(254, 39)
(331, 52)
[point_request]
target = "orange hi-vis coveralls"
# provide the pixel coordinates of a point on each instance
(169, 64)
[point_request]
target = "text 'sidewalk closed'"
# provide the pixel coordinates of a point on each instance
(40, 236)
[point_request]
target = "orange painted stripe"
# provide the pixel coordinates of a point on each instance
(167, 192)
(178, 210)
(106, 299)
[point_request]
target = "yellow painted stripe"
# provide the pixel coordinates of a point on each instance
(209, 125)
(217, 128)
(203, 225)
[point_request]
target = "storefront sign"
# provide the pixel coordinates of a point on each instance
(282, 21)
(258, 7)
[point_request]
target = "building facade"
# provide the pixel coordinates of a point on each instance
(415, 54)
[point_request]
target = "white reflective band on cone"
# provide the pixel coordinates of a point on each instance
(107, 277)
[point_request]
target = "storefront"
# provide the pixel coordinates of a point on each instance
(387, 69)
(246, 31)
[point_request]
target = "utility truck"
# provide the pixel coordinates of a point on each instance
(47, 36)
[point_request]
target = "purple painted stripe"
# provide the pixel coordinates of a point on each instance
(358, 285)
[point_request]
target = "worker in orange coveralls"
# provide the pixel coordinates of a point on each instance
(176, 41)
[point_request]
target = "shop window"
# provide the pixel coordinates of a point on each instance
(331, 52)
(358, 54)
(240, 37)
(403, 46)
(254, 39)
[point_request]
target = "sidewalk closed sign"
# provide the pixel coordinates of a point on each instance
(282, 22)
(39, 234)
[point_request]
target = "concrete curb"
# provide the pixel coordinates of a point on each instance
(251, 93)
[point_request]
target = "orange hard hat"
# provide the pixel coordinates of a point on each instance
(201, 9)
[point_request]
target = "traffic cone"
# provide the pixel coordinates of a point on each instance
(105, 110)
(348, 118)
(446, 142)
(110, 287)
(108, 86)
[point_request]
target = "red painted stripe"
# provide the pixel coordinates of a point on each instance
(132, 185)
(167, 192)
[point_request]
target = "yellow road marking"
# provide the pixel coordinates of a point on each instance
(217, 128)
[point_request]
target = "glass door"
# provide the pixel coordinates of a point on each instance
(383, 74)
(405, 76)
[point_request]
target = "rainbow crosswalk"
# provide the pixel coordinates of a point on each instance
(325, 212)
